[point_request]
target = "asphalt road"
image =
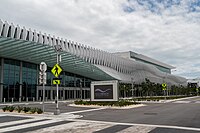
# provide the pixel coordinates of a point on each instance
(173, 114)
(182, 113)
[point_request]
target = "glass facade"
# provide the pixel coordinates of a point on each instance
(27, 83)
(11, 79)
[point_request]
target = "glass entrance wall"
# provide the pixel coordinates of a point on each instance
(12, 84)
(29, 81)
(11, 80)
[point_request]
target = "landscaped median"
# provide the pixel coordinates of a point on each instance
(19, 109)
(121, 104)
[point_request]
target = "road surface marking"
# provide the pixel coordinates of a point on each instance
(3, 115)
(135, 124)
(81, 111)
(75, 127)
(182, 101)
(28, 125)
(17, 122)
(137, 129)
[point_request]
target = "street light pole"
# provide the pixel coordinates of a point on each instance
(132, 87)
(81, 89)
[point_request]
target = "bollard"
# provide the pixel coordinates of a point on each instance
(12, 100)
(40, 99)
(46, 98)
(4, 100)
(62, 98)
(27, 99)
(33, 99)
(20, 100)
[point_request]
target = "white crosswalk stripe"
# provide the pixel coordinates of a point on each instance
(18, 122)
(137, 129)
(26, 125)
(58, 125)
(2, 115)
(71, 127)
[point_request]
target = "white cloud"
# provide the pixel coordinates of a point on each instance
(171, 35)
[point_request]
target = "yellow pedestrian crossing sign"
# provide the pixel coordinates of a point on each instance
(164, 85)
(57, 81)
(56, 70)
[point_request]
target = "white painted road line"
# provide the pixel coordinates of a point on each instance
(3, 115)
(81, 111)
(182, 101)
(17, 122)
(134, 124)
(137, 129)
(28, 125)
(74, 127)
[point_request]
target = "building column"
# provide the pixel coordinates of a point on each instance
(83, 94)
(20, 82)
(37, 89)
(64, 94)
(37, 93)
(1, 82)
(51, 94)
(47, 94)
(74, 94)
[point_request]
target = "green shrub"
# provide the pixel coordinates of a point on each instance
(106, 103)
(39, 111)
(33, 110)
(18, 109)
(26, 109)
(11, 108)
(5, 108)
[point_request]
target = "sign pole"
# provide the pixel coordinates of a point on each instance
(43, 97)
(42, 80)
(56, 70)
(57, 109)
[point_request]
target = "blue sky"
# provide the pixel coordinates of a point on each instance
(167, 30)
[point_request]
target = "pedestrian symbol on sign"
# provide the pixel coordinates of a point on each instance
(56, 70)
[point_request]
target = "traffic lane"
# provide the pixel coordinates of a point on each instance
(186, 115)
(170, 130)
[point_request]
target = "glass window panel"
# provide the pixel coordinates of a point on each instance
(12, 73)
(6, 73)
(11, 81)
(17, 68)
(5, 80)
(6, 66)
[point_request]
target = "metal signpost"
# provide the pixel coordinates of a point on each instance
(56, 70)
(164, 87)
(42, 79)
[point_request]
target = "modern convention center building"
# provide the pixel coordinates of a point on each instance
(22, 50)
